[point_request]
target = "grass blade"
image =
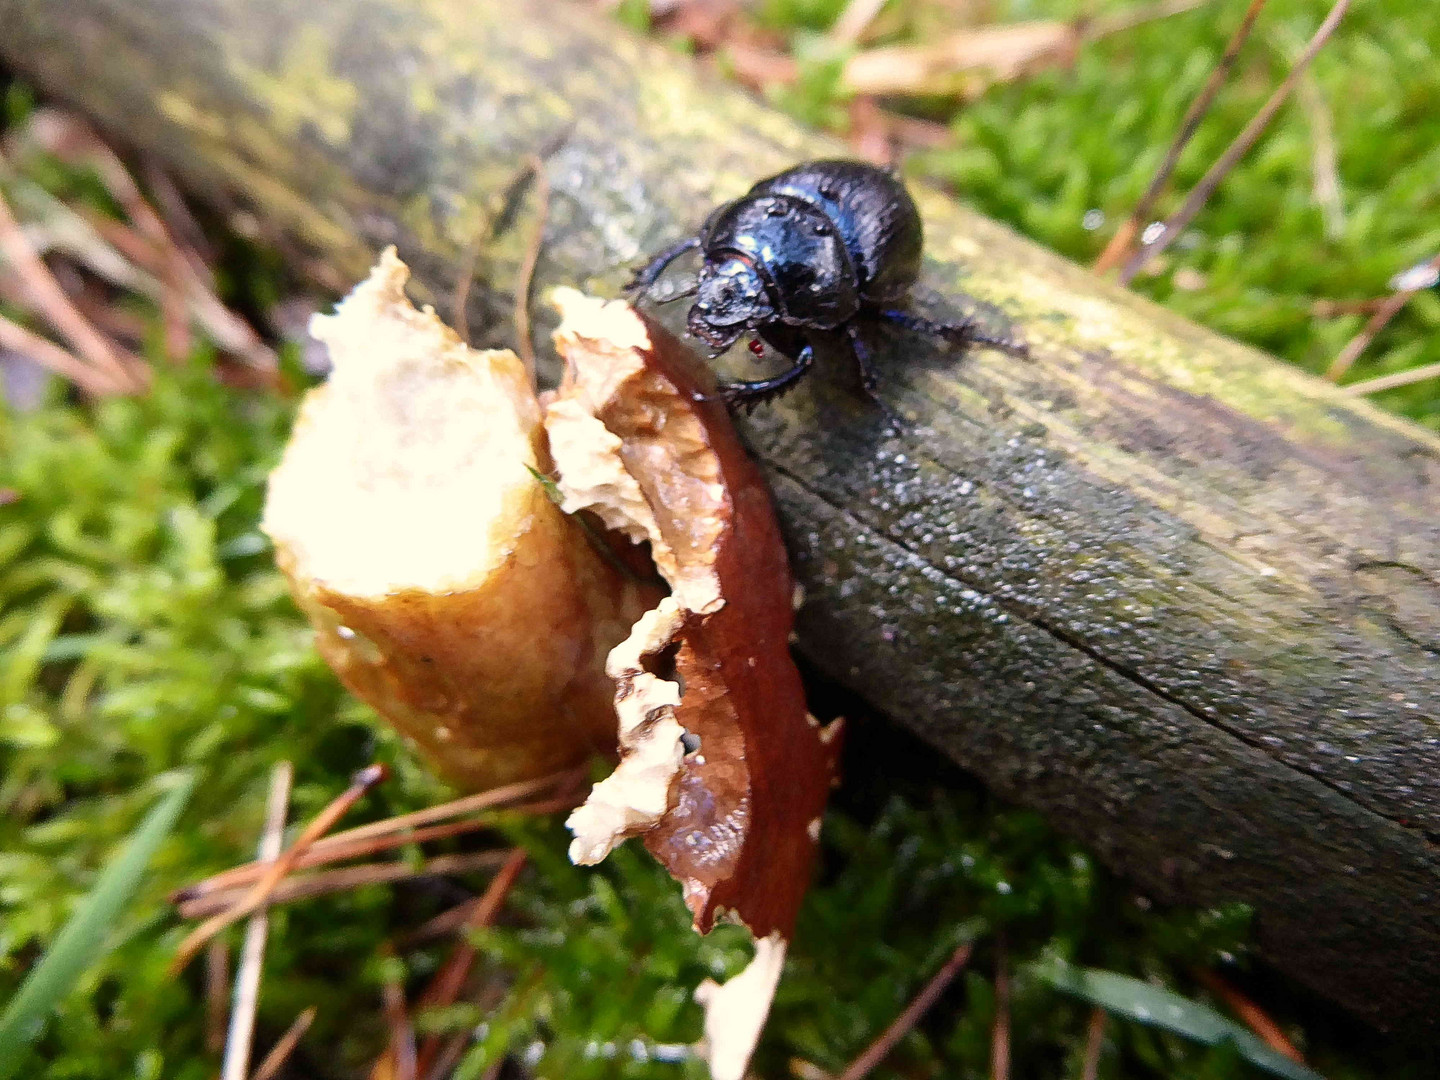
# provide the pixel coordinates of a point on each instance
(82, 940)
(1133, 999)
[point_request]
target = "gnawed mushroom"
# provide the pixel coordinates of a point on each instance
(445, 587)
(413, 518)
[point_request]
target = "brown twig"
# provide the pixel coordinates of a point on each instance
(281, 1051)
(1124, 237)
(236, 1062)
(526, 276)
(1361, 341)
(1254, 1017)
(353, 843)
(1000, 1033)
(51, 303)
(446, 984)
(1200, 194)
(364, 780)
(351, 877)
(1094, 1043)
(929, 994)
(217, 994)
(1399, 378)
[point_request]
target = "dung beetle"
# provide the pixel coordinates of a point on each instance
(823, 249)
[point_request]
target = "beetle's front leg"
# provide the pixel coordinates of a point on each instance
(650, 273)
(757, 391)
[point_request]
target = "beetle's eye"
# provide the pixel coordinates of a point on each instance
(822, 228)
(775, 209)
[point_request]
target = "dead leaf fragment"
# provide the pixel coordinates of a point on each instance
(964, 63)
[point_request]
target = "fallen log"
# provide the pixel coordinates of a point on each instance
(1180, 597)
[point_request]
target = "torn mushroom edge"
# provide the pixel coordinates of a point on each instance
(638, 793)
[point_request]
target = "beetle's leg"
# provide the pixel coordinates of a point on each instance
(650, 273)
(966, 332)
(868, 377)
(757, 391)
(681, 295)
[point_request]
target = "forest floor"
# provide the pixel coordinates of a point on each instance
(145, 633)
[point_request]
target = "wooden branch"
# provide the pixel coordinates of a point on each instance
(1180, 597)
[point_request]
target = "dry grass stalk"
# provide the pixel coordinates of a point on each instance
(1398, 379)
(1200, 194)
(186, 287)
(281, 1051)
(398, 1062)
(110, 365)
(1000, 1034)
(1250, 1014)
(1330, 309)
(217, 994)
(1094, 1043)
(351, 877)
(854, 21)
(324, 821)
(526, 276)
(1120, 244)
(929, 994)
(15, 338)
(352, 843)
(445, 987)
(449, 1056)
(236, 1063)
(1361, 341)
(1324, 158)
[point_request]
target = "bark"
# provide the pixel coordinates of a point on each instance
(1180, 597)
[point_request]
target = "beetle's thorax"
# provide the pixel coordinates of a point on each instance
(732, 298)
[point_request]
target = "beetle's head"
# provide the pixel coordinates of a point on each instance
(731, 299)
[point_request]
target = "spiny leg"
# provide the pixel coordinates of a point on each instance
(756, 391)
(650, 273)
(689, 290)
(869, 378)
(966, 332)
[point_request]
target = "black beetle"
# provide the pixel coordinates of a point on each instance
(820, 249)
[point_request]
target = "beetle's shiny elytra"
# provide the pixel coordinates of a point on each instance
(822, 249)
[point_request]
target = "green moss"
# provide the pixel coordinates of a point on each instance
(145, 629)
